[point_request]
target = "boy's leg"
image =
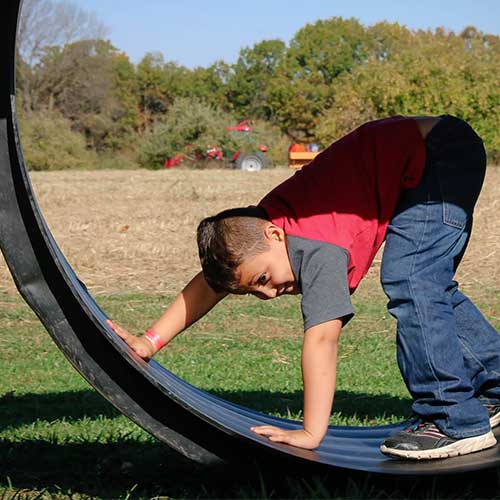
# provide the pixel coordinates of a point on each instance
(416, 273)
(480, 344)
(425, 242)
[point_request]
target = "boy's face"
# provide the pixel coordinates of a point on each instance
(269, 274)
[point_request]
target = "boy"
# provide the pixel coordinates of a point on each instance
(413, 182)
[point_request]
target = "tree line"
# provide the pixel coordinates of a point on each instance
(83, 102)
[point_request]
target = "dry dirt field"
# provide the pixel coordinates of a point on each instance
(134, 231)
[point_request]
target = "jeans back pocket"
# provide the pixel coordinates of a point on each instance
(460, 181)
(453, 215)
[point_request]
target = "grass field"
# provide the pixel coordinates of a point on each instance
(129, 235)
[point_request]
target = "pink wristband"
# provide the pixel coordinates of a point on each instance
(155, 339)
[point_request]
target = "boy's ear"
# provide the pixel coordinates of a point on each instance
(272, 232)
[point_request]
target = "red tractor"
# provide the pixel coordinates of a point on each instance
(250, 155)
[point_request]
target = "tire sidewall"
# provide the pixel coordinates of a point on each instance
(258, 157)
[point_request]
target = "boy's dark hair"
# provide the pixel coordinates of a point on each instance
(225, 240)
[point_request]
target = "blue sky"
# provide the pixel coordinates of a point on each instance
(197, 33)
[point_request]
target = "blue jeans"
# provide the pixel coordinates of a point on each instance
(448, 353)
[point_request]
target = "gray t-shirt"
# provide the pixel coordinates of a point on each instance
(321, 273)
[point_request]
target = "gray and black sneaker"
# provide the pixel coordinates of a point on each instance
(424, 441)
(493, 413)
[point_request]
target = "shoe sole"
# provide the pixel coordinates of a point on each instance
(461, 447)
(495, 420)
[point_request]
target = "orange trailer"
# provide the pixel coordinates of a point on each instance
(297, 159)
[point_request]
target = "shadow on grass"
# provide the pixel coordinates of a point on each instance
(127, 467)
(25, 409)
(107, 470)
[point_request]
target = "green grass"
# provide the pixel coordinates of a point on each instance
(59, 439)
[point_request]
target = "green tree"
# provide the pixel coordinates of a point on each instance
(154, 98)
(247, 86)
(44, 24)
(318, 54)
(210, 84)
(81, 80)
(159, 83)
(430, 73)
(386, 40)
(125, 115)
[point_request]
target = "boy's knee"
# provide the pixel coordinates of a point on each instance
(393, 277)
(400, 288)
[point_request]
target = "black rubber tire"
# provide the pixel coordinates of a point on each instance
(252, 162)
(200, 425)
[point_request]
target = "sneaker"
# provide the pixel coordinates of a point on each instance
(493, 413)
(424, 441)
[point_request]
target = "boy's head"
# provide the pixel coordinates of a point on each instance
(243, 252)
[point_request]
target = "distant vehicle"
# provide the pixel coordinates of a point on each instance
(301, 154)
(251, 157)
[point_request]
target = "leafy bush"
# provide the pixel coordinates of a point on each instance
(275, 140)
(50, 144)
(190, 127)
(115, 161)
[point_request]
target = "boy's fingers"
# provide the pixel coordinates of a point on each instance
(130, 340)
(122, 334)
(266, 429)
(111, 325)
(118, 330)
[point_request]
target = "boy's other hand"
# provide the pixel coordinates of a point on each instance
(141, 345)
(299, 438)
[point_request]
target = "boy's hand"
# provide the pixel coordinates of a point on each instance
(141, 345)
(299, 438)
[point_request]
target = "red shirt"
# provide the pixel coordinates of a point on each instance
(347, 195)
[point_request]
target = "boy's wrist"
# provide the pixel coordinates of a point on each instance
(153, 337)
(313, 438)
(316, 434)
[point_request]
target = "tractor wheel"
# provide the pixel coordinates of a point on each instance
(252, 162)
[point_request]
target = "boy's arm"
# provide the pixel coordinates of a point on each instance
(319, 371)
(195, 300)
